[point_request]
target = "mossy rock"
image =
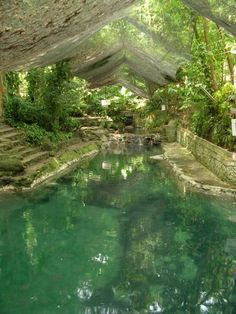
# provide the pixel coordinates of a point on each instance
(11, 165)
(6, 178)
(64, 158)
(171, 131)
(48, 145)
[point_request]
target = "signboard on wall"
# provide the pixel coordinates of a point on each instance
(105, 102)
(233, 127)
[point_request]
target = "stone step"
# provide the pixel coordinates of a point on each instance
(89, 128)
(5, 129)
(31, 159)
(16, 150)
(23, 151)
(29, 151)
(37, 166)
(7, 145)
(31, 170)
(90, 121)
(11, 136)
(6, 178)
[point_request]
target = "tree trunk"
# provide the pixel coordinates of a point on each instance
(228, 57)
(211, 61)
(152, 87)
(202, 55)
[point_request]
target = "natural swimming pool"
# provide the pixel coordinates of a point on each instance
(117, 235)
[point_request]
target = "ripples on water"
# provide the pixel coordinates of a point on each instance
(117, 235)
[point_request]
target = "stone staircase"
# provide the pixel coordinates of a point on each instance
(91, 127)
(92, 121)
(14, 147)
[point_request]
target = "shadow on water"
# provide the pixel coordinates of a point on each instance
(117, 236)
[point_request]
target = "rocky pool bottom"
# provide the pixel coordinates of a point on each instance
(117, 235)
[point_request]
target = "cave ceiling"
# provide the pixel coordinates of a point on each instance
(101, 39)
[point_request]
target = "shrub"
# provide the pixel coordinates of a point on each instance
(35, 134)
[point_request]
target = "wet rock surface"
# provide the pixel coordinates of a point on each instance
(136, 139)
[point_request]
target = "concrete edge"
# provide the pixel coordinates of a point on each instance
(207, 189)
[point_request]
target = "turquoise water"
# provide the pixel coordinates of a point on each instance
(117, 235)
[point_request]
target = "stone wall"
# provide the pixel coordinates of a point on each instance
(216, 159)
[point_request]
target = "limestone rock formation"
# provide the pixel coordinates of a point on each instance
(38, 33)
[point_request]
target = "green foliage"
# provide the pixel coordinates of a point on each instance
(13, 83)
(212, 120)
(45, 103)
(203, 97)
(55, 87)
(39, 136)
(121, 101)
(15, 108)
(21, 110)
(36, 80)
(155, 116)
(222, 133)
(201, 100)
(44, 113)
(35, 134)
(226, 96)
(11, 165)
(119, 105)
(74, 97)
(205, 111)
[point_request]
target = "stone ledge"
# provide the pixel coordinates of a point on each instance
(194, 174)
(215, 158)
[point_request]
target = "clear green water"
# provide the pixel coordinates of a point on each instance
(117, 235)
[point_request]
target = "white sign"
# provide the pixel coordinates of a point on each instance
(106, 165)
(123, 90)
(234, 156)
(233, 127)
(105, 102)
(163, 107)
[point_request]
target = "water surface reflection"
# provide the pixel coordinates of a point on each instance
(117, 236)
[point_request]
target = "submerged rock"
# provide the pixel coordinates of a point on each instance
(157, 157)
(136, 139)
(230, 246)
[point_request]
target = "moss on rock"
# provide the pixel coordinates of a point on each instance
(11, 165)
(64, 160)
(54, 166)
(77, 153)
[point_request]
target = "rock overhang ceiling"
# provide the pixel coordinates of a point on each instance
(222, 12)
(42, 32)
(130, 52)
